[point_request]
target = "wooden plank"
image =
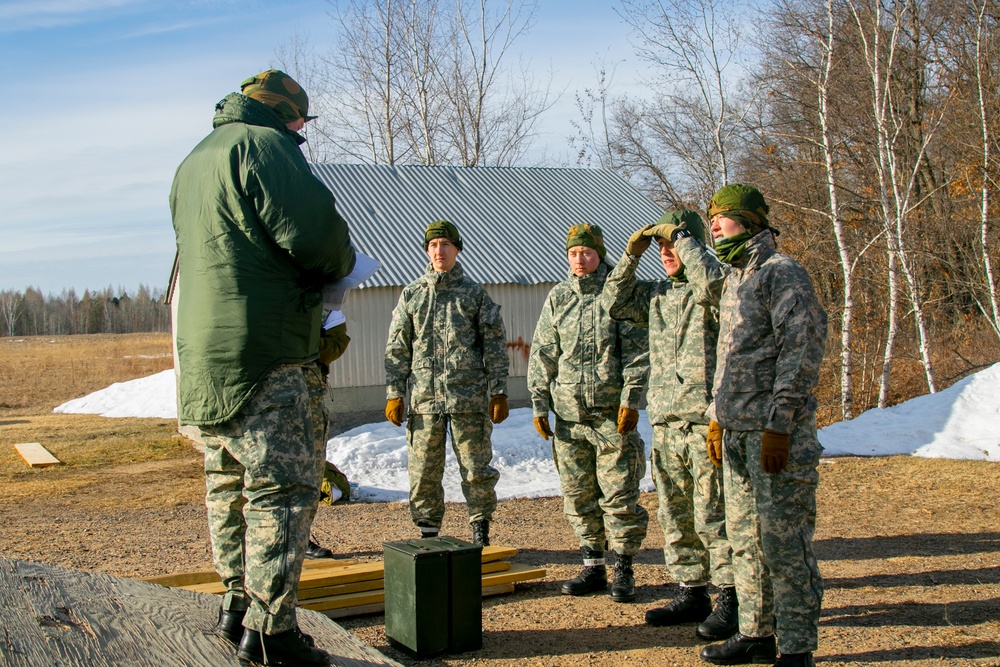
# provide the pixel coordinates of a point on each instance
(35, 455)
(182, 579)
(502, 589)
(340, 589)
(517, 572)
(348, 600)
(56, 616)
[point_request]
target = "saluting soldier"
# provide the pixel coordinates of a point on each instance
(772, 338)
(681, 314)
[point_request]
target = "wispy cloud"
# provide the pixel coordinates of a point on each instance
(34, 14)
(159, 29)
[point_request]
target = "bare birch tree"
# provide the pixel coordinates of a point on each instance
(896, 162)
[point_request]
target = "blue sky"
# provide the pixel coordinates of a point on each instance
(104, 98)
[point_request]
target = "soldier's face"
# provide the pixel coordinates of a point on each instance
(583, 260)
(669, 257)
(443, 254)
(723, 227)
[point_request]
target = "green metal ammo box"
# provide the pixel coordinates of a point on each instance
(433, 595)
(465, 594)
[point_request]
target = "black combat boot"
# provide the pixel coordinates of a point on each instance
(314, 550)
(692, 605)
(623, 586)
(740, 650)
(427, 530)
(284, 649)
(724, 622)
(230, 626)
(592, 579)
(795, 660)
(481, 532)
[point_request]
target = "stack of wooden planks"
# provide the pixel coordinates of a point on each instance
(341, 588)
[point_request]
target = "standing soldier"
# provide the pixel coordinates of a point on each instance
(258, 235)
(447, 338)
(771, 343)
(682, 317)
(590, 371)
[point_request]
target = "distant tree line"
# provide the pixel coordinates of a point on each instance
(31, 313)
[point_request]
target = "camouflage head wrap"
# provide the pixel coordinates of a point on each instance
(740, 201)
(280, 92)
(690, 220)
(590, 236)
(442, 229)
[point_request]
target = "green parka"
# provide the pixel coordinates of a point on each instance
(258, 235)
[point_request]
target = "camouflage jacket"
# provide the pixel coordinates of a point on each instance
(448, 340)
(582, 361)
(772, 337)
(683, 323)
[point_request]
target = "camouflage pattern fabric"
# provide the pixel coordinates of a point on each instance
(584, 366)
(260, 473)
(682, 318)
(771, 520)
(425, 447)
(316, 381)
(692, 511)
(771, 342)
(448, 340)
(581, 359)
(599, 474)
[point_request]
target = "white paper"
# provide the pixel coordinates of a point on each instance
(333, 319)
(334, 293)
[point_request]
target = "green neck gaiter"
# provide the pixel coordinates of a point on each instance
(729, 250)
(679, 278)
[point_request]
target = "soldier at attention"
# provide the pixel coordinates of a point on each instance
(682, 317)
(590, 371)
(448, 340)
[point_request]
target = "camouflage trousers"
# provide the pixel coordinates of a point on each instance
(599, 474)
(426, 437)
(770, 520)
(692, 512)
(260, 475)
(319, 409)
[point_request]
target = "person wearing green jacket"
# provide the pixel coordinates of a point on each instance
(257, 238)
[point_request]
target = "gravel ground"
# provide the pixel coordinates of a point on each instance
(909, 549)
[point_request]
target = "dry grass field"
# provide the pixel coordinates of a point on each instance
(909, 548)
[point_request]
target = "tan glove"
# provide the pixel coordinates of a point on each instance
(543, 428)
(333, 343)
(394, 411)
(498, 408)
(639, 242)
(664, 231)
(714, 443)
(628, 419)
(773, 451)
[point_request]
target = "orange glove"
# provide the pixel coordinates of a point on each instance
(543, 428)
(394, 411)
(498, 408)
(714, 443)
(628, 419)
(773, 451)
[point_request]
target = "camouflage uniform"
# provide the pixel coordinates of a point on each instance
(584, 366)
(448, 341)
(771, 343)
(682, 319)
(260, 472)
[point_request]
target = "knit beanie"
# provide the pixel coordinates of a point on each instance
(742, 203)
(590, 236)
(280, 92)
(442, 229)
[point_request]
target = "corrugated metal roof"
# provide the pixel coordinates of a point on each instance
(513, 221)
